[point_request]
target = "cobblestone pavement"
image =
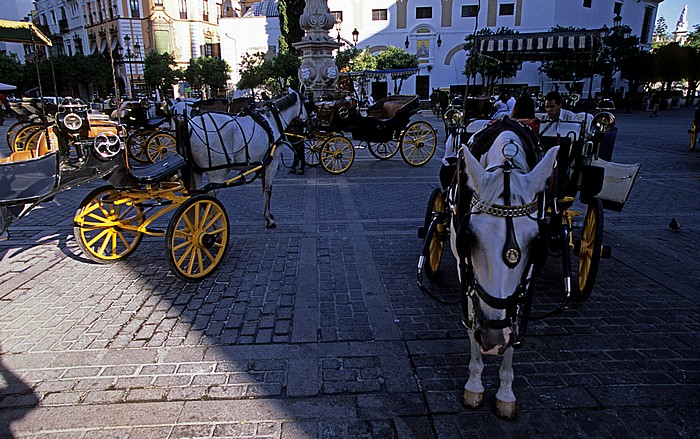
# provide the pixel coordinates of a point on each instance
(316, 329)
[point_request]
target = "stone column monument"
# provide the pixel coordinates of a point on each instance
(317, 71)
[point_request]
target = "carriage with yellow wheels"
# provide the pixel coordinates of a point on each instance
(111, 221)
(384, 129)
(584, 183)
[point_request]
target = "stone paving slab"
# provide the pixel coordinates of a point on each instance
(317, 330)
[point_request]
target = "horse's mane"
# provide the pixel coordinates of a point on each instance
(285, 102)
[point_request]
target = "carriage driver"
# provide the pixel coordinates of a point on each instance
(554, 111)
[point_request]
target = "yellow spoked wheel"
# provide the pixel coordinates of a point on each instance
(105, 231)
(136, 146)
(418, 143)
(589, 250)
(312, 150)
(337, 154)
(24, 135)
(197, 238)
(13, 130)
(436, 237)
(384, 150)
(160, 146)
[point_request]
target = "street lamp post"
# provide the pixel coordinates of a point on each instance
(129, 55)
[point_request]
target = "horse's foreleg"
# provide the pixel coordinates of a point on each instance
(505, 399)
(474, 389)
(266, 179)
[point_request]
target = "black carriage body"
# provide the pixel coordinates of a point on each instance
(383, 122)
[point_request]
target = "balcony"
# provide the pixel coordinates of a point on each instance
(63, 25)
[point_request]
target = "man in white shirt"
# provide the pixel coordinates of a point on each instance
(510, 102)
(554, 111)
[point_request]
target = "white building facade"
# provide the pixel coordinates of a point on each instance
(435, 30)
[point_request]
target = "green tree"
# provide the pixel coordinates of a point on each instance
(206, 71)
(11, 69)
(395, 58)
(290, 29)
(618, 43)
(160, 71)
(251, 73)
(355, 60)
(638, 69)
(273, 75)
(566, 70)
(661, 35)
(693, 39)
(669, 65)
(490, 69)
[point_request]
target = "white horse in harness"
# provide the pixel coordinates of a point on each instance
(495, 237)
(220, 143)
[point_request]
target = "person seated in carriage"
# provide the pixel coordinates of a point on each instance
(553, 102)
(523, 112)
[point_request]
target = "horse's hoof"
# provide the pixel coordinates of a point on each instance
(505, 410)
(473, 400)
(292, 171)
(301, 172)
(271, 225)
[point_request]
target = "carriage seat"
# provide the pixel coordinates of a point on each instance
(155, 122)
(17, 156)
(385, 110)
(159, 171)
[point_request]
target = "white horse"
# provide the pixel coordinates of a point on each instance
(221, 143)
(493, 242)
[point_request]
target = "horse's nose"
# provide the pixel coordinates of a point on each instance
(493, 341)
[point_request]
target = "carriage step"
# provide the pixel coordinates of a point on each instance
(606, 252)
(152, 231)
(421, 232)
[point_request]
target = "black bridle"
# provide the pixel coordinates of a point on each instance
(517, 305)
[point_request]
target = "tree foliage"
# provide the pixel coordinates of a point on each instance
(395, 58)
(490, 69)
(273, 75)
(355, 60)
(290, 29)
(11, 70)
(160, 71)
(566, 70)
(661, 35)
(207, 71)
(618, 44)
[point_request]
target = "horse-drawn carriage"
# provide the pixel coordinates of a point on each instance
(505, 211)
(112, 220)
(385, 129)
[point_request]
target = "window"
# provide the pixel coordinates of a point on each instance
(379, 15)
(506, 9)
(617, 8)
(205, 10)
(183, 9)
(338, 16)
(470, 11)
(424, 12)
(135, 13)
(157, 2)
(646, 25)
(587, 3)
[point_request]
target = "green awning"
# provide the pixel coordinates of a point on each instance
(22, 32)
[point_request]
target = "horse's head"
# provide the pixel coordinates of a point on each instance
(306, 105)
(497, 241)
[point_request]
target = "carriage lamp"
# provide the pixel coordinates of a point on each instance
(617, 21)
(603, 122)
(355, 36)
(453, 117)
(73, 122)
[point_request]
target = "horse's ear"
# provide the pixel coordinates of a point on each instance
(475, 172)
(538, 176)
